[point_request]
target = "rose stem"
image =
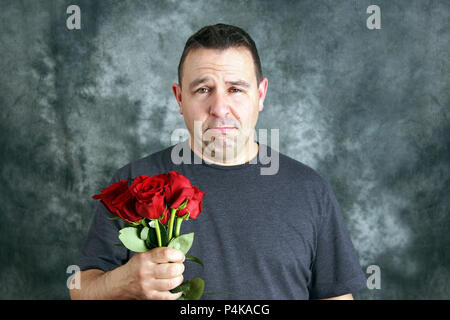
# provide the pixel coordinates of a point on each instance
(172, 219)
(158, 232)
(178, 226)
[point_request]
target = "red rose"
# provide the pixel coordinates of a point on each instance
(126, 205)
(149, 194)
(152, 197)
(180, 188)
(116, 198)
(194, 205)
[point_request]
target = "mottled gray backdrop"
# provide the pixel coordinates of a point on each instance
(367, 109)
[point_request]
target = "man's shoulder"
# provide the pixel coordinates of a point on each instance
(298, 171)
(148, 165)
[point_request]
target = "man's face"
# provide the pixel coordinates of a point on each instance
(220, 99)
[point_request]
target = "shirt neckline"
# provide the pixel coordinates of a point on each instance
(195, 159)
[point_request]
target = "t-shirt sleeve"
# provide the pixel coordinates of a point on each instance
(336, 270)
(99, 250)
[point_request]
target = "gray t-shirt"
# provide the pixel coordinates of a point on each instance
(278, 236)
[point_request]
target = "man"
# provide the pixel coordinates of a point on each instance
(260, 236)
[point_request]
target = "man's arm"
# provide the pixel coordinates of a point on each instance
(336, 265)
(97, 284)
(149, 275)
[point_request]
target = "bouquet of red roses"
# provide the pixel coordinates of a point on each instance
(154, 208)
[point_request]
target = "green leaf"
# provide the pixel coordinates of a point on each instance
(196, 288)
(164, 234)
(183, 242)
(192, 290)
(135, 224)
(182, 287)
(144, 233)
(130, 239)
(152, 241)
(114, 218)
(194, 259)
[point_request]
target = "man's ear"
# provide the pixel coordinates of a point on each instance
(262, 90)
(177, 92)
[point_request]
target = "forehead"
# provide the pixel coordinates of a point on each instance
(231, 62)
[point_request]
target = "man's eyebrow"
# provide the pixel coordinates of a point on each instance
(239, 83)
(197, 82)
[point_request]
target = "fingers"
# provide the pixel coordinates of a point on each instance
(167, 270)
(167, 284)
(158, 271)
(159, 289)
(164, 255)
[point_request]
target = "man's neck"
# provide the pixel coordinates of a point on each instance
(247, 153)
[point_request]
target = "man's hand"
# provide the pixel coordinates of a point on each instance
(153, 273)
(148, 275)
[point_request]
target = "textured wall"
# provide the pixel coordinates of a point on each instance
(368, 109)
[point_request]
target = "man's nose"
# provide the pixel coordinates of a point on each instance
(219, 105)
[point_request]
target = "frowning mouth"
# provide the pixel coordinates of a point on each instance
(222, 129)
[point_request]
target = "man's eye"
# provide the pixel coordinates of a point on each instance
(235, 90)
(202, 90)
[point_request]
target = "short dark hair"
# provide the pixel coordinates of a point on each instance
(221, 36)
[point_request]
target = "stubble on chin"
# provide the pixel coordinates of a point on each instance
(224, 151)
